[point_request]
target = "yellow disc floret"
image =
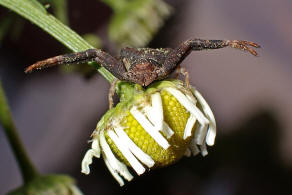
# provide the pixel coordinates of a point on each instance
(176, 116)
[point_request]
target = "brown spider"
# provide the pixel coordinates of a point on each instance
(143, 65)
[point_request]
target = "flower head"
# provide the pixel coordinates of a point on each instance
(152, 128)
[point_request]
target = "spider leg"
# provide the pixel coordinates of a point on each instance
(112, 93)
(177, 55)
(243, 45)
(185, 73)
(177, 71)
(91, 55)
(72, 58)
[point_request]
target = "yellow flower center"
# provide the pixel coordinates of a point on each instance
(176, 116)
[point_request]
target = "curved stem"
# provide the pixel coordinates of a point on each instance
(28, 171)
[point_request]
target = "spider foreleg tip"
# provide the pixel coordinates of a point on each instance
(27, 70)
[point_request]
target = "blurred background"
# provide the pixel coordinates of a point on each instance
(251, 97)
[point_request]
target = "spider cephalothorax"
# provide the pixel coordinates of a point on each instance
(143, 65)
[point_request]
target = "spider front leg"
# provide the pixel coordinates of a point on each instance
(113, 65)
(72, 58)
(243, 45)
(177, 55)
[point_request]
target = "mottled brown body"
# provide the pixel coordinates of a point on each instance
(143, 65)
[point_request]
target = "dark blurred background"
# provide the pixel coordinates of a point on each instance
(251, 98)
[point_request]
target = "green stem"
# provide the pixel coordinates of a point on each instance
(28, 171)
(34, 12)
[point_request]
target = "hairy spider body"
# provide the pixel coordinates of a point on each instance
(143, 65)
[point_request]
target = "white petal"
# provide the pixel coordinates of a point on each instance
(200, 134)
(194, 148)
(142, 156)
(211, 135)
(210, 139)
(114, 173)
(203, 148)
(87, 160)
(114, 163)
(157, 110)
(137, 166)
(192, 99)
(189, 126)
(155, 115)
(148, 111)
(183, 100)
(167, 130)
(149, 128)
(96, 148)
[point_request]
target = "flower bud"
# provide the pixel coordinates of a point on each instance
(49, 184)
(152, 128)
